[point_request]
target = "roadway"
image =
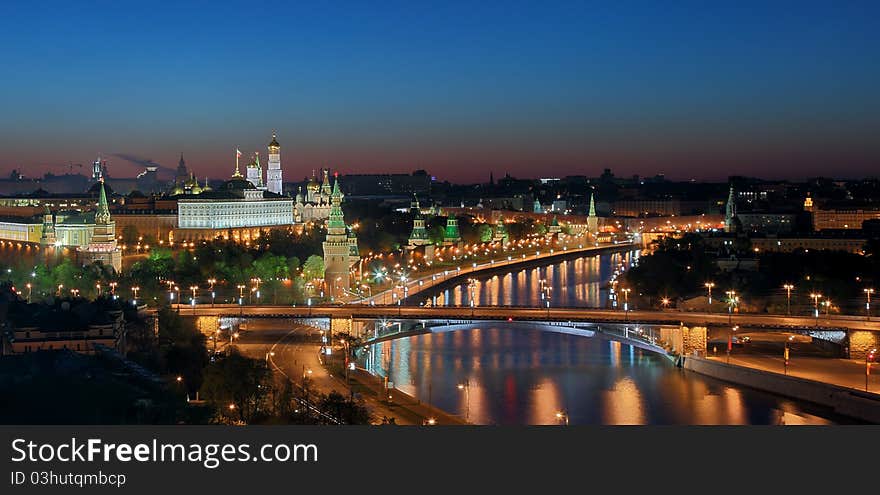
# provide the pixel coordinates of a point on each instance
(410, 286)
(295, 354)
(644, 317)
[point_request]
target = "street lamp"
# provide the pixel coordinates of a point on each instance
(788, 288)
(730, 341)
(816, 296)
(868, 358)
(29, 292)
(626, 291)
(709, 286)
(466, 386)
(135, 290)
(868, 293)
(786, 354)
(731, 300)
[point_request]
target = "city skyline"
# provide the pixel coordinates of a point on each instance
(688, 91)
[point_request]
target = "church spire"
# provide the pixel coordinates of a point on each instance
(592, 206)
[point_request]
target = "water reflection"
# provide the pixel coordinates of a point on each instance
(577, 282)
(518, 374)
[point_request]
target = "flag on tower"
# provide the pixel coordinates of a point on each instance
(237, 153)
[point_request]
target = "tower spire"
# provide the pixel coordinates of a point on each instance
(102, 216)
(592, 206)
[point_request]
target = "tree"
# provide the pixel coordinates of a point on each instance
(182, 349)
(239, 381)
(271, 270)
(313, 267)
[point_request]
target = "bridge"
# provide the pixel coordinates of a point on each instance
(832, 328)
(643, 317)
(407, 289)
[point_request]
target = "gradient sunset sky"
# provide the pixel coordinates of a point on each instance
(690, 89)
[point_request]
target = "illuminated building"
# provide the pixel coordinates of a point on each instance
(340, 248)
(418, 236)
(273, 173)
(451, 235)
(730, 212)
(237, 203)
(315, 204)
(102, 243)
(499, 233)
(592, 219)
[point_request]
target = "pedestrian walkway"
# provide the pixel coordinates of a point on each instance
(848, 373)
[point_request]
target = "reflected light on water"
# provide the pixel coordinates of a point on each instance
(623, 404)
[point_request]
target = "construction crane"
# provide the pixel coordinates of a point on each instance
(71, 165)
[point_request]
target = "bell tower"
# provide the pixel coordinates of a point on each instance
(273, 173)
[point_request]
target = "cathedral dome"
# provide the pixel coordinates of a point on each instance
(274, 143)
(313, 185)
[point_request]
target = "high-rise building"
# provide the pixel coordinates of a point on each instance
(98, 169)
(273, 173)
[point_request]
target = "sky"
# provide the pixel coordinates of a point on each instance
(690, 89)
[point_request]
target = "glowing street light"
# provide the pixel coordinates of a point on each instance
(731, 301)
(709, 286)
(816, 296)
(788, 288)
(626, 292)
(868, 293)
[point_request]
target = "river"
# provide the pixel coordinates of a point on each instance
(517, 373)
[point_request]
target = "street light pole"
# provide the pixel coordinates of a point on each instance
(868, 293)
(816, 296)
(788, 288)
(731, 299)
(709, 286)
